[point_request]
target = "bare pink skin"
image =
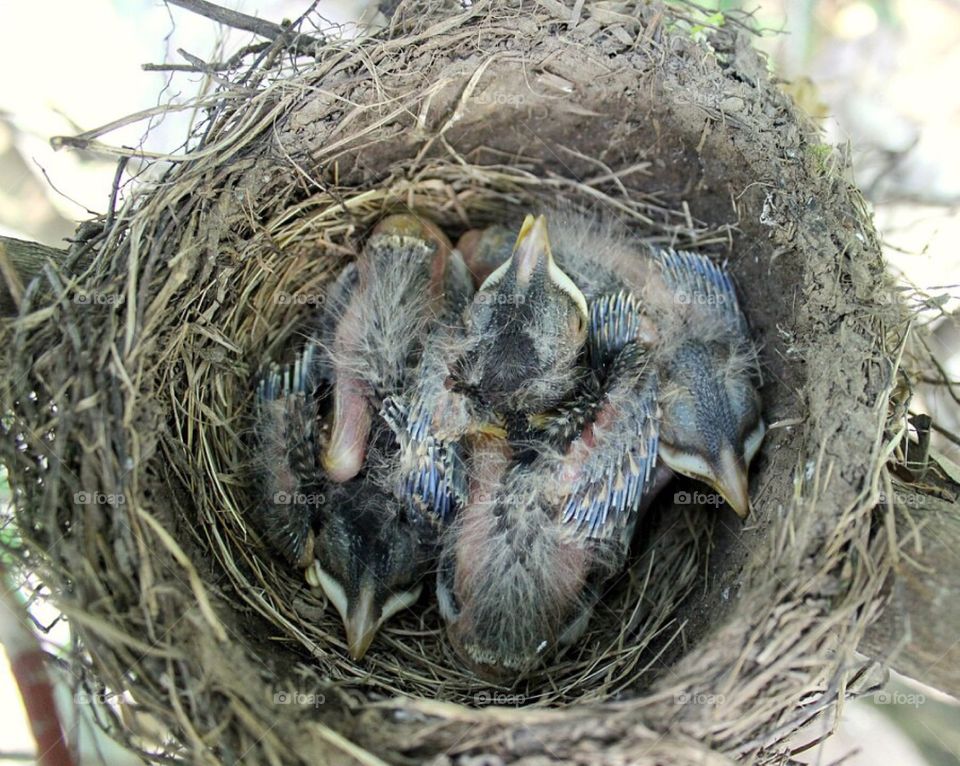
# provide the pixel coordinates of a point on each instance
(477, 251)
(481, 552)
(352, 421)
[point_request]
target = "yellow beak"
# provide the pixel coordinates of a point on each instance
(362, 624)
(533, 249)
(730, 481)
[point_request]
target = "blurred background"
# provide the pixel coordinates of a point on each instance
(880, 76)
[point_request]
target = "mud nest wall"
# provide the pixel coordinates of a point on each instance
(131, 370)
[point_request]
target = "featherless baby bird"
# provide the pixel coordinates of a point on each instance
(484, 250)
(684, 308)
(363, 546)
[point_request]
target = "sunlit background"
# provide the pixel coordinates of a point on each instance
(881, 76)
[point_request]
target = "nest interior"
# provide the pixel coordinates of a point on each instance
(129, 408)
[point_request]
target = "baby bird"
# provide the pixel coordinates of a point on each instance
(712, 426)
(484, 250)
(378, 312)
(355, 540)
(685, 309)
(516, 353)
(523, 563)
(364, 547)
(525, 329)
(371, 550)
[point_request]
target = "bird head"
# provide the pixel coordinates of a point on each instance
(370, 558)
(526, 327)
(712, 425)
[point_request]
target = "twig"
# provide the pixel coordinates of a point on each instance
(252, 24)
(84, 140)
(232, 18)
(213, 66)
(27, 661)
(115, 191)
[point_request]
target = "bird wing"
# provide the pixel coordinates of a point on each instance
(606, 471)
(701, 283)
(432, 473)
(615, 319)
(286, 411)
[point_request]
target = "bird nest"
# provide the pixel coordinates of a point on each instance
(132, 370)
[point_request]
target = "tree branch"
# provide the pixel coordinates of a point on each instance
(230, 18)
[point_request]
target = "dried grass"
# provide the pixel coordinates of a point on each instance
(720, 642)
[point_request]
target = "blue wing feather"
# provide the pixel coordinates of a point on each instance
(433, 477)
(618, 469)
(699, 280)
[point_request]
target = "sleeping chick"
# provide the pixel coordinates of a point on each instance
(357, 542)
(685, 309)
(522, 565)
(371, 550)
(405, 279)
(516, 353)
(363, 546)
(525, 329)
